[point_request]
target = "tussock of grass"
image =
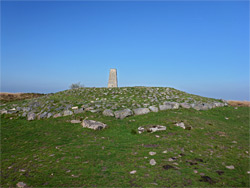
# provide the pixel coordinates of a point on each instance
(56, 153)
(7, 97)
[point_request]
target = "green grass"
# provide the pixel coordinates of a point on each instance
(56, 153)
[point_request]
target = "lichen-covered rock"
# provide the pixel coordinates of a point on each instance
(95, 125)
(141, 111)
(108, 112)
(121, 114)
(31, 116)
(153, 108)
(151, 128)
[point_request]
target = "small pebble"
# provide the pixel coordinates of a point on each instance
(170, 159)
(21, 184)
(152, 153)
(133, 172)
(234, 142)
(248, 172)
(165, 151)
(230, 167)
(226, 118)
(145, 157)
(152, 162)
(195, 171)
(157, 136)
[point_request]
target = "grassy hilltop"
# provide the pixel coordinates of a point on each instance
(53, 152)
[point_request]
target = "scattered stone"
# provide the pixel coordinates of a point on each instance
(157, 136)
(181, 124)
(248, 172)
(108, 112)
(43, 115)
(49, 115)
(195, 171)
(67, 113)
(234, 142)
(133, 172)
(78, 111)
(75, 108)
(123, 113)
(31, 116)
(57, 115)
(165, 107)
(151, 128)
(153, 108)
(231, 167)
(152, 162)
(141, 111)
(165, 151)
(185, 105)
(21, 185)
(226, 118)
(91, 124)
(152, 153)
(75, 121)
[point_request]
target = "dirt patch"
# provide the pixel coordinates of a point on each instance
(7, 97)
(239, 103)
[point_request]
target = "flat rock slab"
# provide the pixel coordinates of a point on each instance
(151, 128)
(123, 113)
(95, 125)
(141, 111)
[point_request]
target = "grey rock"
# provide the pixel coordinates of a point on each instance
(4, 112)
(108, 112)
(153, 108)
(185, 105)
(95, 125)
(49, 115)
(21, 185)
(165, 107)
(152, 162)
(121, 114)
(67, 113)
(181, 124)
(78, 111)
(75, 121)
(43, 115)
(24, 114)
(31, 116)
(141, 111)
(174, 105)
(151, 128)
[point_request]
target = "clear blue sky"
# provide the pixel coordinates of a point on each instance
(198, 47)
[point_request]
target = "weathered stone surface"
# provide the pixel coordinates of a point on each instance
(153, 108)
(75, 108)
(174, 105)
(43, 115)
(57, 115)
(151, 128)
(152, 153)
(152, 162)
(185, 105)
(21, 185)
(49, 115)
(67, 113)
(108, 112)
(141, 111)
(78, 111)
(165, 107)
(181, 124)
(31, 116)
(91, 124)
(112, 78)
(121, 114)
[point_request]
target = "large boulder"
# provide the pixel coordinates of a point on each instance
(31, 116)
(108, 112)
(95, 125)
(141, 111)
(165, 107)
(185, 105)
(121, 114)
(78, 111)
(174, 105)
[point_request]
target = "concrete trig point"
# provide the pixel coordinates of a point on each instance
(112, 78)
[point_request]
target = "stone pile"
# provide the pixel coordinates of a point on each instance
(116, 102)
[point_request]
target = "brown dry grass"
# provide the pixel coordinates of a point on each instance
(239, 103)
(6, 97)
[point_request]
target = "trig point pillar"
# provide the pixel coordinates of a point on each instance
(112, 78)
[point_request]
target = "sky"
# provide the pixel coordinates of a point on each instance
(201, 47)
